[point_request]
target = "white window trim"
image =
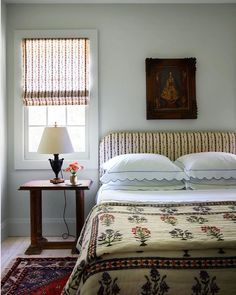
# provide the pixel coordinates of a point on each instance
(91, 162)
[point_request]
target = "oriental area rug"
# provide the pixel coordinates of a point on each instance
(37, 276)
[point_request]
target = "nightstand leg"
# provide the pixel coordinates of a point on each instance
(35, 220)
(40, 238)
(79, 201)
(79, 212)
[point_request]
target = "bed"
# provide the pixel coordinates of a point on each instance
(160, 239)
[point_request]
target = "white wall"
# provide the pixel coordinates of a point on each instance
(127, 35)
(3, 126)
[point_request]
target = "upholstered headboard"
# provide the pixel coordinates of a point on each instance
(170, 144)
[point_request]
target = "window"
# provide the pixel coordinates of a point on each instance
(55, 89)
(71, 116)
(59, 74)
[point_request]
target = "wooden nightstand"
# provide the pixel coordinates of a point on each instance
(38, 242)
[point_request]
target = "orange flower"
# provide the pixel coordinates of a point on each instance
(74, 167)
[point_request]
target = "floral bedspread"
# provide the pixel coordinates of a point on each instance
(136, 248)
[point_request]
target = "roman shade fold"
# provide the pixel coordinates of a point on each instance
(55, 71)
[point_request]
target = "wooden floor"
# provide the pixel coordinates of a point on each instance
(15, 246)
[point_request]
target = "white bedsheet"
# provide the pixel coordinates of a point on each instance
(108, 194)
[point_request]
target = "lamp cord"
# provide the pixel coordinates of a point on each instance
(66, 234)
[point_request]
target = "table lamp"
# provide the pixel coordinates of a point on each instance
(55, 140)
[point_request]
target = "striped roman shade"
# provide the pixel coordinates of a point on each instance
(170, 144)
(55, 71)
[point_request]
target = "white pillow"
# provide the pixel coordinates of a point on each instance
(213, 183)
(141, 167)
(204, 186)
(146, 185)
(208, 165)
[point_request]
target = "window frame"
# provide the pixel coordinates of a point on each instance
(90, 161)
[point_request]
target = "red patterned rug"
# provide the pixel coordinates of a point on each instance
(37, 276)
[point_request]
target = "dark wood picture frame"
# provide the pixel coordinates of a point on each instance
(171, 88)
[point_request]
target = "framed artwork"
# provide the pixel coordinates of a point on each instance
(171, 88)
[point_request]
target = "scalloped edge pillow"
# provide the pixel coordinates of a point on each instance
(208, 165)
(141, 167)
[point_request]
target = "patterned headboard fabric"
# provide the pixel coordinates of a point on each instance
(170, 144)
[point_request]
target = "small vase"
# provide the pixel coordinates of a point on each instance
(73, 179)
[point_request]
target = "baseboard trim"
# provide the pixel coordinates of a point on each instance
(20, 227)
(4, 230)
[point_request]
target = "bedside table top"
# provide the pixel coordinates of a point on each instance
(84, 184)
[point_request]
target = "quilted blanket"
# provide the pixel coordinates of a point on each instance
(137, 248)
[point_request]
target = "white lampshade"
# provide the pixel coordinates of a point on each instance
(55, 140)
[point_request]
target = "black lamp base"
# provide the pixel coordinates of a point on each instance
(56, 164)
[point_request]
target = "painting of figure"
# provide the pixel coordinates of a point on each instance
(171, 88)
